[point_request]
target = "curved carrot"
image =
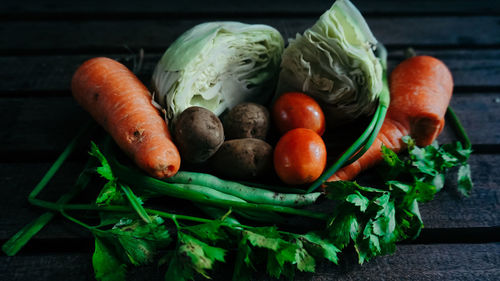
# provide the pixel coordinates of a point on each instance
(421, 89)
(121, 104)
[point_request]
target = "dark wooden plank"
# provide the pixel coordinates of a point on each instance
(447, 211)
(481, 209)
(52, 74)
(156, 34)
(410, 262)
(476, 112)
(38, 124)
(69, 266)
(158, 7)
(17, 181)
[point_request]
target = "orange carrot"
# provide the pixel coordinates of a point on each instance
(121, 104)
(421, 89)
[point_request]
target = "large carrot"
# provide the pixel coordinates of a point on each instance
(421, 89)
(121, 104)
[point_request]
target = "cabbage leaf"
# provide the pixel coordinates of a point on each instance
(217, 65)
(334, 62)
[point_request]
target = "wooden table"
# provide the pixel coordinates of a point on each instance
(42, 43)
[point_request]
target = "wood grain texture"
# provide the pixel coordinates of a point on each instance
(410, 262)
(50, 75)
(39, 123)
(154, 7)
(18, 180)
(22, 37)
(481, 209)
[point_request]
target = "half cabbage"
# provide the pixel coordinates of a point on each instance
(334, 62)
(217, 65)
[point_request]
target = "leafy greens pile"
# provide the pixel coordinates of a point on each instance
(373, 220)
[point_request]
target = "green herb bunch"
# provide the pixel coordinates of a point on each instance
(371, 219)
(368, 219)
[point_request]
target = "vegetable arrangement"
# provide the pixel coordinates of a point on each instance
(332, 74)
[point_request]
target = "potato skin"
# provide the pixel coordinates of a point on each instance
(247, 120)
(198, 134)
(246, 158)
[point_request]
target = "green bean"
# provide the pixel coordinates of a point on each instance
(138, 180)
(247, 193)
(210, 193)
(216, 213)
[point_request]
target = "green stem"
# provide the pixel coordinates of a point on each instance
(363, 143)
(79, 222)
(459, 129)
(410, 53)
(346, 156)
(89, 207)
(216, 213)
(62, 208)
(18, 240)
(135, 203)
(60, 160)
(372, 138)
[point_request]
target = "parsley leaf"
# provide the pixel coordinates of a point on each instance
(107, 267)
(110, 194)
(105, 169)
(201, 256)
(134, 241)
(433, 161)
(385, 218)
(375, 219)
(464, 180)
(320, 246)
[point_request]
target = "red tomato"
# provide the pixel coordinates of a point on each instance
(300, 156)
(297, 110)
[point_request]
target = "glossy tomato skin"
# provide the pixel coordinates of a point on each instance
(299, 156)
(297, 110)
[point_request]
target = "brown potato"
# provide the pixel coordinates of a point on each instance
(246, 158)
(198, 134)
(247, 120)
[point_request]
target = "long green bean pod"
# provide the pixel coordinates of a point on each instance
(247, 193)
(138, 180)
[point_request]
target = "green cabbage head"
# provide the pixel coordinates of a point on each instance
(217, 65)
(334, 62)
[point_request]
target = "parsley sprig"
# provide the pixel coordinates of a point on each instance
(372, 219)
